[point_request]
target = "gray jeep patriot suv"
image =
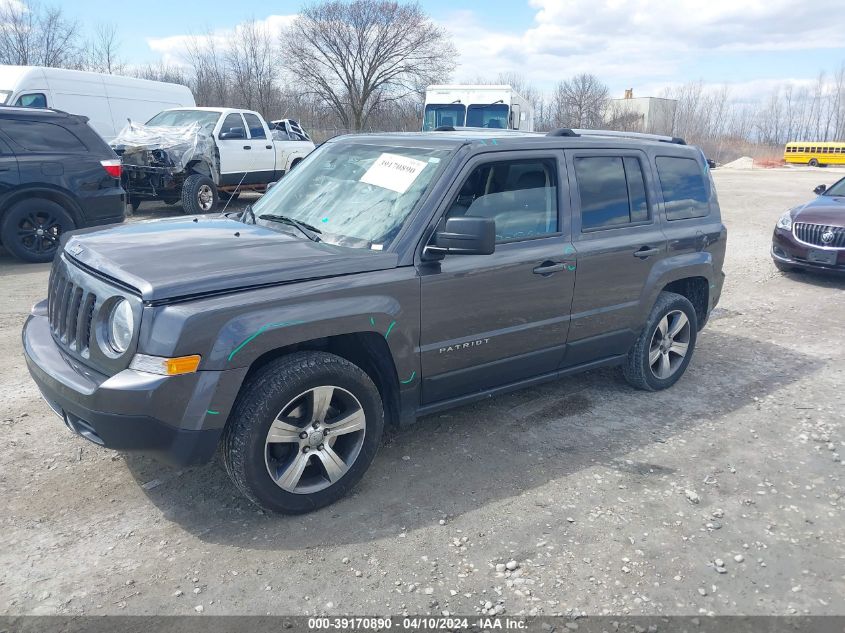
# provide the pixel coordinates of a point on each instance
(387, 277)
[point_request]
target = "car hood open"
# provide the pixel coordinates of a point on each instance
(827, 210)
(193, 256)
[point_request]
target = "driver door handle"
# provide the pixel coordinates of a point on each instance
(646, 251)
(247, 146)
(547, 268)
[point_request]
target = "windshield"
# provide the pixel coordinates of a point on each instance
(356, 194)
(836, 189)
(493, 116)
(4, 96)
(447, 114)
(179, 118)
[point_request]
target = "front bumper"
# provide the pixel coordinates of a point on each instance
(788, 251)
(177, 419)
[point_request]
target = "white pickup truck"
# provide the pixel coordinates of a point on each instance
(197, 156)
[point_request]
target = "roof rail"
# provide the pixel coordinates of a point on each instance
(562, 131)
(638, 135)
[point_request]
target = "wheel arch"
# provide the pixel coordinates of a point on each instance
(697, 290)
(367, 350)
(691, 275)
(59, 196)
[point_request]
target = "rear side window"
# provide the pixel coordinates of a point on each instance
(256, 130)
(38, 136)
(684, 190)
(612, 191)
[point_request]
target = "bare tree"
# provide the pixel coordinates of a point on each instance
(103, 51)
(580, 102)
(250, 63)
(34, 35)
(360, 55)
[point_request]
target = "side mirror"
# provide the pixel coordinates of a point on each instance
(465, 235)
(820, 190)
(711, 163)
(233, 133)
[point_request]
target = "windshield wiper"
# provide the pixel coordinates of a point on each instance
(306, 229)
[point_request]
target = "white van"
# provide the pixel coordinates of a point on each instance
(107, 100)
(484, 106)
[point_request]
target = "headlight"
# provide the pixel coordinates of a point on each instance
(785, 221)
(121, 326)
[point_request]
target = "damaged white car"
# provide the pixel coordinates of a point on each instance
(198, 156)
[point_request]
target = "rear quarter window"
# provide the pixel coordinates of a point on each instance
(39, 136)
(685, 192)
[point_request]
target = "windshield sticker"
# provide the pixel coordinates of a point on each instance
(394, 172)
(377, 247)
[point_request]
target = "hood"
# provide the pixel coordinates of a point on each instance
(827, 210)
(179, 257)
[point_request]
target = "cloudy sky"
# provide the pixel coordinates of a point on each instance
(640, 44)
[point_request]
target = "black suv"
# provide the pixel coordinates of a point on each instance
(387, 277)
(56, 174)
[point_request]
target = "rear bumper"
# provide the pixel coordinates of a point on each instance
(103, 206)
(169, 418)
(788, 251)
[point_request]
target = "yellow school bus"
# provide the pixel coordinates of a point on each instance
(814, 153)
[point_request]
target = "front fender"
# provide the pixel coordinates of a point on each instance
(231, 331)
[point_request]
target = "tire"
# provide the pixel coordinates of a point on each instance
(645, 367)
(784, 268)
(263, 465)
(199, 195)
(813, 162)
(134, 203)
(31, 229)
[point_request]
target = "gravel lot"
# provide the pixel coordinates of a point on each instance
(722, 495)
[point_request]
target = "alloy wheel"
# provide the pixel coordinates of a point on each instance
(315, 439)
(669, 344)
(39, 232)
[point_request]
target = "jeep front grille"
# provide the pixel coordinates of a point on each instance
(70, 308)
(814, 234)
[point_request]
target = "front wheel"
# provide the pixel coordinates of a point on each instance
(303, 431)
(199, 195)
(664, 348)
(813, 162)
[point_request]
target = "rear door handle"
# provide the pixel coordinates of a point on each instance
(547, 268)
(247, 146)
(646, 251)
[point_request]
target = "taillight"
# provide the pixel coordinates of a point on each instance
(112, 167)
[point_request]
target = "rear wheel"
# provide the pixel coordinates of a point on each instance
(664, 348)
(32, 228)
(199, 195)
(813, 162)
(303, 431)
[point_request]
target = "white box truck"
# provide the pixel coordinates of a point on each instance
(107, 100)
(481, 106)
